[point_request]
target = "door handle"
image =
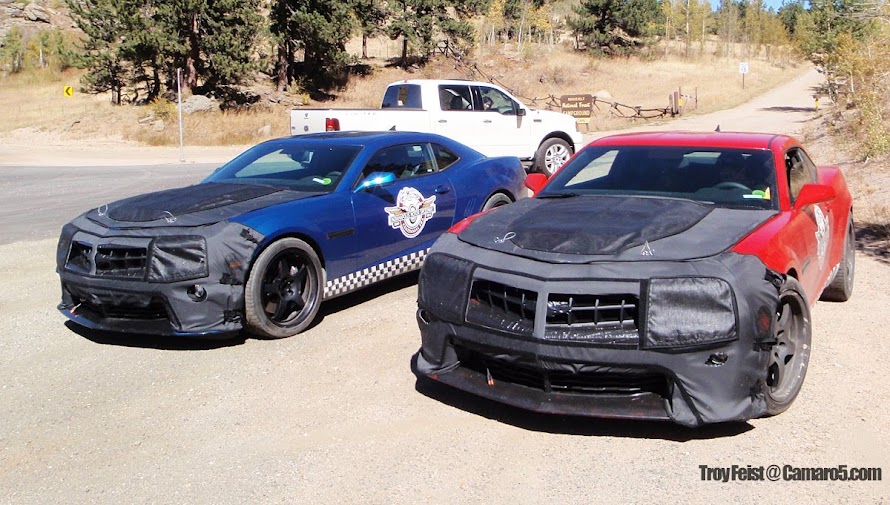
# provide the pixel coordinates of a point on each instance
(443, 120)
(487, 121)
(441, 190)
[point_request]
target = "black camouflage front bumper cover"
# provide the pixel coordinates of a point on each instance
(696, 354)
(190, 281)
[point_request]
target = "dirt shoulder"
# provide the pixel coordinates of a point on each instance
(30, 147)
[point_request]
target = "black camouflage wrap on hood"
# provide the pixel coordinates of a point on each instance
(198, 205)
(582, 229)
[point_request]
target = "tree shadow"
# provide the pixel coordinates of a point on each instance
(160, 342)
(573, 425)
(874, 240)
(788, 109)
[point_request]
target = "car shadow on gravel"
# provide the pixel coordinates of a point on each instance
(874, 240)
(365, 295)
(573, 425)
(159, 342)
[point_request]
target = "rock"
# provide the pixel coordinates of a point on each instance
(33, 12)
(147, 119)
(159, 125)
(265, 131)
(603, 95)
(198, 103)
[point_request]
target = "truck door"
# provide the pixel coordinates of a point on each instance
(457, 118)
(503, 131)
(402, 204)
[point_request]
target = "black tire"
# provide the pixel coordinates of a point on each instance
(551, 155)
(287, 271)
(841, 287)
(789, 357)
(496, 200)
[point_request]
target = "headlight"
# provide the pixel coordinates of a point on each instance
(444, 285)
(689, 311)
(64, 245)
(177, 258)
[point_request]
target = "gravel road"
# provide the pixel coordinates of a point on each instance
(335, 416)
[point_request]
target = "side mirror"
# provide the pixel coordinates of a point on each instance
(814, 193)
(535, 182)
(376, 180)
(521, 112)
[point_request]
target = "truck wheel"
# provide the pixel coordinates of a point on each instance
(551, 155)
(284, 289)
(841, 287)
(496, 200)
(789, 357)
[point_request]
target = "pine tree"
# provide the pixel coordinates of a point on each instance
(419, 22)
(371, 16)
(614, 26)
(320, 29)
(105, 24)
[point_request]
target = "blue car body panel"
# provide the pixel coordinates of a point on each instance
(361, 233)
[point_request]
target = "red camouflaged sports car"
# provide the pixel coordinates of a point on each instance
(655, 276)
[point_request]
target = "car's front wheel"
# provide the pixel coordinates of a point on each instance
(284, 289)
(551, 155)
(790, 355)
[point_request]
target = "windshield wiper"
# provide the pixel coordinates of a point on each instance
(558, 195)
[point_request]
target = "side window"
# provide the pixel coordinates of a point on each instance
(455, 97)
(800, 171)
(403, 161)
(444, 157)
(405, 96)
(495, 100)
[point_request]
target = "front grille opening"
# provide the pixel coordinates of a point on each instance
(154, 310)
(603, 312)
(118, 261)
(499, 306)
(563, 381)
(79, 256)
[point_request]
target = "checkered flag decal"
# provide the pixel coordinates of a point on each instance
(376, 273)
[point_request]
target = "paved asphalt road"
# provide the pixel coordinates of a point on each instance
(37, 201)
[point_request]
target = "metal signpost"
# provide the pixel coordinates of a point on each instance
(743, 69)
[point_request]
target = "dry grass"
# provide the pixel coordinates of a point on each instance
(533, 72)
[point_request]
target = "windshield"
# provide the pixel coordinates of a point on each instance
(298, 165)
(735, 178)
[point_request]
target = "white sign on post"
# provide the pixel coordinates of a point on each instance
(743, 67)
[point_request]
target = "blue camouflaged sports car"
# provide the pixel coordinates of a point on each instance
(267, 237)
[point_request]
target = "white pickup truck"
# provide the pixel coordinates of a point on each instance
(478, 114)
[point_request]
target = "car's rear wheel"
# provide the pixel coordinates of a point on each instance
(551, 155)
(841, 287)
(496, 200)
(284, 289)
(790, 355)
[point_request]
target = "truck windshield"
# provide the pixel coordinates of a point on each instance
(300, 165)
(735, 178)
